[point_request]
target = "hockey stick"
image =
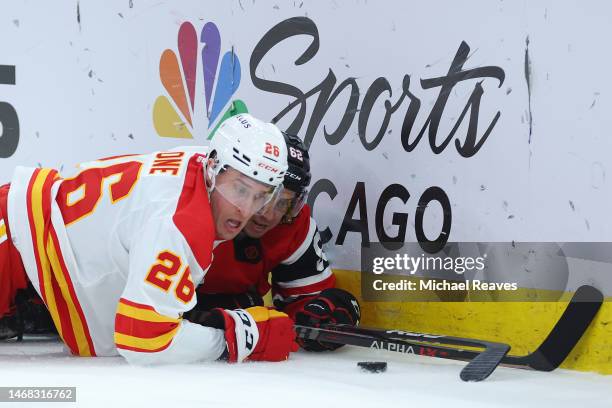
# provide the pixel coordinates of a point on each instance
(566, 333)
(561, 340)
(480, 366)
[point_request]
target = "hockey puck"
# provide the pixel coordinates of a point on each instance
(373, 366)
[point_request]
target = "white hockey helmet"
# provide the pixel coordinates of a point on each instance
(252, 147)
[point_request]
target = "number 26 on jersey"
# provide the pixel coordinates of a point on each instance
(164, 272)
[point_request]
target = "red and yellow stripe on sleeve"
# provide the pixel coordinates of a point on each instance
(55, 284)
(140, 328)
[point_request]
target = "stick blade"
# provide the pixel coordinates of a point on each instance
(485, 363)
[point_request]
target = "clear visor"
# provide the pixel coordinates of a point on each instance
(286, 207)
(297, 204)
(249, 195)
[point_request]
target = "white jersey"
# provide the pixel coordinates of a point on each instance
(117, 251)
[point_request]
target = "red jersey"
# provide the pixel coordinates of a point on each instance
(293, 253)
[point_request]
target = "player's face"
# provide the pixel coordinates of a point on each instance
(234, 200)
(270, 215)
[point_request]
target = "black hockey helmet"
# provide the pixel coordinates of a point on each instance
(298, 175)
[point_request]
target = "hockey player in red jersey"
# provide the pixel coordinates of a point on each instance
(116, 251)
(282, 239)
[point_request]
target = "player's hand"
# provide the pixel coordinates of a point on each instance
(207, 302)
(330, 306)
(257, 333)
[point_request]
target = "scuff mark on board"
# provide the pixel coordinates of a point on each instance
(598, 175)
(79, 15)
(131, 4)
(595, 95)
(431, 64)
(528, 80)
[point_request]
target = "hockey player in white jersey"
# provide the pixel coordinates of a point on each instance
(116, 251)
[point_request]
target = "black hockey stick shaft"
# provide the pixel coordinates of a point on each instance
(479, 366)
(560, 341)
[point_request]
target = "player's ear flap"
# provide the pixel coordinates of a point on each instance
(210, 172)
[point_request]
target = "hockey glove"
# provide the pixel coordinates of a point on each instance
(330, 306)
(208, 301)
(256, 333)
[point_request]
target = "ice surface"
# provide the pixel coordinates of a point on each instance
(314, 380)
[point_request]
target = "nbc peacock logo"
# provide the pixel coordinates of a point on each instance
(190, 105)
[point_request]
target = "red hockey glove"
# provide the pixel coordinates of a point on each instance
(256, 333)
(330, 306)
